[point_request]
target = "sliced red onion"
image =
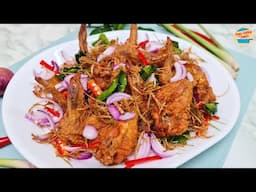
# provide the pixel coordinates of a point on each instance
(40, 120)
(68, 78)
(153, 46)
(49, 118)
(44, 74)
(178, 72)
(159, 149)
(61, 86)
(116, 66)
(5, 77)
(206, 74)
(90, 132)
(114, 111)
(41, 138)
(152, 78)
(56, 107)
(55, 66)
(106, 53)
(127, 116)
(117, 97)
(190, 77)
(144, 146)
(184, 72)
(83, 155)
(63, 57)
(84, 80)
(182, 62)
(71, 149)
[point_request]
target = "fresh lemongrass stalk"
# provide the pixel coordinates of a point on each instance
(210, 35)
(176, 32)
(217, 51)
(15, 163)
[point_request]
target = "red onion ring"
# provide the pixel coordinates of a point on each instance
(116, 66)
(44, 74)
(84, 80)
(106, 53)
(190, 77)
(57, 107)
(90, 132)
(117, 97)
(178, 72)
(56, 67)
(127, 116)
(159, 149)
(114, 111)
(144, 146)
(71, 149)
(83, 155)
(153, 46)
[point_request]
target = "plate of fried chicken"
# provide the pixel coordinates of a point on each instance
(127, 98)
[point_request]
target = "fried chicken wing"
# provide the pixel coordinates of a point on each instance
(201, 84)
(117, 142)
(72, 124)
(172, 117)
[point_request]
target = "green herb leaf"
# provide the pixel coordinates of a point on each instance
(61, 76)
(146, 29)
(180, 139)
(71, 69)
(118, 26)
(78, 55)
(176, 48)
(211, 107)
(147, 71)
(102, 38)
(101, 29)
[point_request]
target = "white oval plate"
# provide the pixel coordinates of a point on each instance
(19, 98)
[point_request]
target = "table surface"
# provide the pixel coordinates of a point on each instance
(18, 41)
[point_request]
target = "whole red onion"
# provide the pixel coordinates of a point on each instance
(5, 77)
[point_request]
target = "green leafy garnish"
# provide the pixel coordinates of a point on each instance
(147, 71)
(211, 107)
(61, 76)
(107, 27)
(180, 139)
(101, 29)
(146, 29)
(78, 55)
(74, 69)
(176, 48)
(102, 39)
(118, 26)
